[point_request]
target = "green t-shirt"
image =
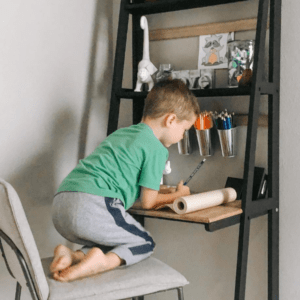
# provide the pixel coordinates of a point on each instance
(127, 159)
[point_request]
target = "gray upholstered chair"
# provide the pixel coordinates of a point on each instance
(24, 264)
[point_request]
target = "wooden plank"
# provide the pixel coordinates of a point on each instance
(207, 215)
(242, 120)
(203, 29)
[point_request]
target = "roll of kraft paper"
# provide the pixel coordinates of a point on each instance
(200, 201)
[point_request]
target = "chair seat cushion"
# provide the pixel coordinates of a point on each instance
(146, 277)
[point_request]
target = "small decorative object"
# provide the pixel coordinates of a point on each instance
(206, 80)
(166, 171)
(183, 75)
(196, 79)
(145, 67)
(212, 51)
(164, 72)
(240, 66)
(246, 78)
(194, 76)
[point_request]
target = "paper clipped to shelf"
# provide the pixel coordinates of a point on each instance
(191, 203)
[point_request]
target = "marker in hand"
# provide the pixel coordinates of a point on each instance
(195, 171)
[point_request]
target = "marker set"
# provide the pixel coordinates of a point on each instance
(226, 128)
(204, 121)
(224, 120)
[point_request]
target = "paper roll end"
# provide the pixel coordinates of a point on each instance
(231, 196)
(180, 206)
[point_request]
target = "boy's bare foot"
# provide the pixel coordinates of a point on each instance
(64, 258)
(93, 263)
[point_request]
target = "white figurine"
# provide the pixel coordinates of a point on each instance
(145, 66)
(166, 171)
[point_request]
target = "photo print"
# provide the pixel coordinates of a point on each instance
(213, 51)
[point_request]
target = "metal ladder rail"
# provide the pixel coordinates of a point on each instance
(249, 207)
(137, 54)
(118, 68)
(273, 150)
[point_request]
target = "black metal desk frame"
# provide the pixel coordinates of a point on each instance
(259, 87)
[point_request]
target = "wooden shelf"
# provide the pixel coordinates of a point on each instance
(267, 88)
(202, 29)
(213, 218)
(162, 6)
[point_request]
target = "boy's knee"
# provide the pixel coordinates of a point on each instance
(153, 245)
(143, 249)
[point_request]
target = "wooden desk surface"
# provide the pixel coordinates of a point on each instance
(208, 215)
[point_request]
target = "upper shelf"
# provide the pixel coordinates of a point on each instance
(265, 88)
(245, 91)
(162, 6)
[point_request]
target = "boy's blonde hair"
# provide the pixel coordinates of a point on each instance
(171, 96)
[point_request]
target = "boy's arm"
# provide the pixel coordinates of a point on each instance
(152, 198)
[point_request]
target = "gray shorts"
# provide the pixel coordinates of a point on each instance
(95, 221)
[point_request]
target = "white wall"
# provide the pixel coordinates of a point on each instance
(44, 62)
(289, 150)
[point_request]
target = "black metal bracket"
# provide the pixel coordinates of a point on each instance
(269, 205)
(23, 264)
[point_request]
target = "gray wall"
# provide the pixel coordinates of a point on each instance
(289, 154)
(44, 62)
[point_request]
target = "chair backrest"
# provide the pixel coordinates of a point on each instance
(14, 224)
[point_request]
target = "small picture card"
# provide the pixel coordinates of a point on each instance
(213, 49)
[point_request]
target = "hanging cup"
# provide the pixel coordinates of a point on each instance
(228, 143)
(184, 146)
(204, 142)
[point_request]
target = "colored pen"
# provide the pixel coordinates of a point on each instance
(224, 123)
(195, 171)
(232, 120)
(228, 120)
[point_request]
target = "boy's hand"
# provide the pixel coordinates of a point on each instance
(152, 198)
(166, 190)
(183, 189)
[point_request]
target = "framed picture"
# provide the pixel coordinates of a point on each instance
(213, 50)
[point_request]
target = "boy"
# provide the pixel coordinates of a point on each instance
(90, 205)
